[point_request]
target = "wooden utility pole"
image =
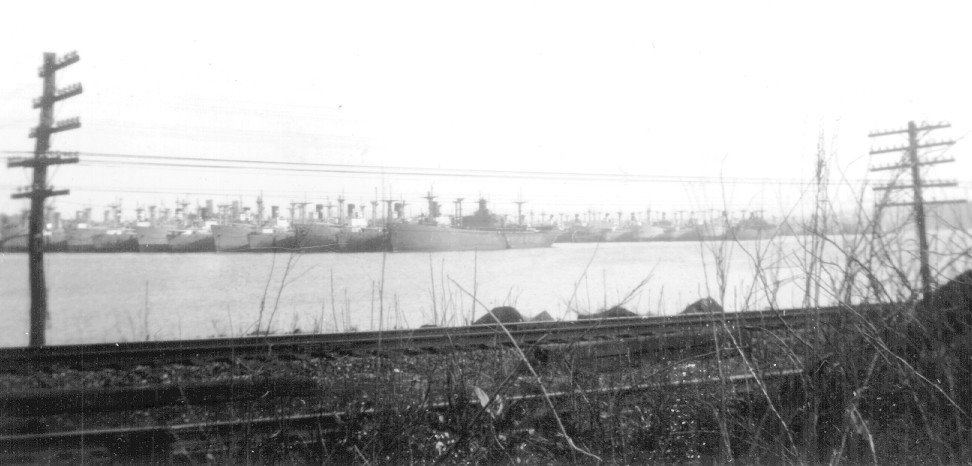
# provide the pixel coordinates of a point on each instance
(39, 190)
(912, 162)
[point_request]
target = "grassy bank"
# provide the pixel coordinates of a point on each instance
(872, 390)
(892, 388)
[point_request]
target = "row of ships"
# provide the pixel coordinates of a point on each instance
(232, 228)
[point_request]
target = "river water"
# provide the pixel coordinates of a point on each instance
(126, 297)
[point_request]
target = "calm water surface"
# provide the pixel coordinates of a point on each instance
(124, 297)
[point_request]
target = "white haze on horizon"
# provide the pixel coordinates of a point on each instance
(700, 89)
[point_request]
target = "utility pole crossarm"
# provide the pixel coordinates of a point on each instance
(69, 58)
(908, 165)
(911, 204)
(947, 201)
(930, 184)
(51, 158)
(43, 193)
(61, 125)
(61, 94)
(904, 148)
(905, 130)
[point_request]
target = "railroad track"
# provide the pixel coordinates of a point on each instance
(666, 332)
(585, 339)
(157, 442)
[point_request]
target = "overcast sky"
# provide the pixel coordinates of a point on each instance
(665, 90)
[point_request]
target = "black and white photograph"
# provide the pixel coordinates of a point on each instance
(451, 232)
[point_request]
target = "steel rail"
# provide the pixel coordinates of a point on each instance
(104, 399)
(57, 401)
(158, 438)
(422, 339)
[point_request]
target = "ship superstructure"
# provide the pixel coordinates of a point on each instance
(480, 231)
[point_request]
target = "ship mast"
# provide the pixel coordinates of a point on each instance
(458, 214)
(182, 214)
(115, 213)
(433, 206)
(259, 203)
(341, 209)
(302, 208)
(388, 210)
(519, 211)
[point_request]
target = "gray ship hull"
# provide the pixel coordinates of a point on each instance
(620, 236)
(115, 241)
(307, 237)
(367, 240)
(749, 234)
(15, 240)
(82, 239)
(192, 241)
(232, 238)
(424, 238)
(273, 240)
(649, 233)
(320, 237)
(152, 239)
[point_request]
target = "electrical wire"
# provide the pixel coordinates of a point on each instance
(140, 160)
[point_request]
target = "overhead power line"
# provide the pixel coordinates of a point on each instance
(548, 200)
(141, 160)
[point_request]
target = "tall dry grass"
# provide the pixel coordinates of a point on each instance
(868, 387)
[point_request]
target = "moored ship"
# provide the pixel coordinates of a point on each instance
(232, 236)
(192, 240)
(753, 228)
(13, 238)
(363, 240)
(81, 237)
(711, 231)
(684, 233)
(585, 234)
(115, 240)
(578, 231)
(621, 234)
(418, 237)
(55, 240)
(424, 238)
(660, 230)
(528, 238)
(116, 236)
(320, 236)
(152, 238)
(649, 232)
(481, 231)
(183, 233)
(269, 239)
(623, 231)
